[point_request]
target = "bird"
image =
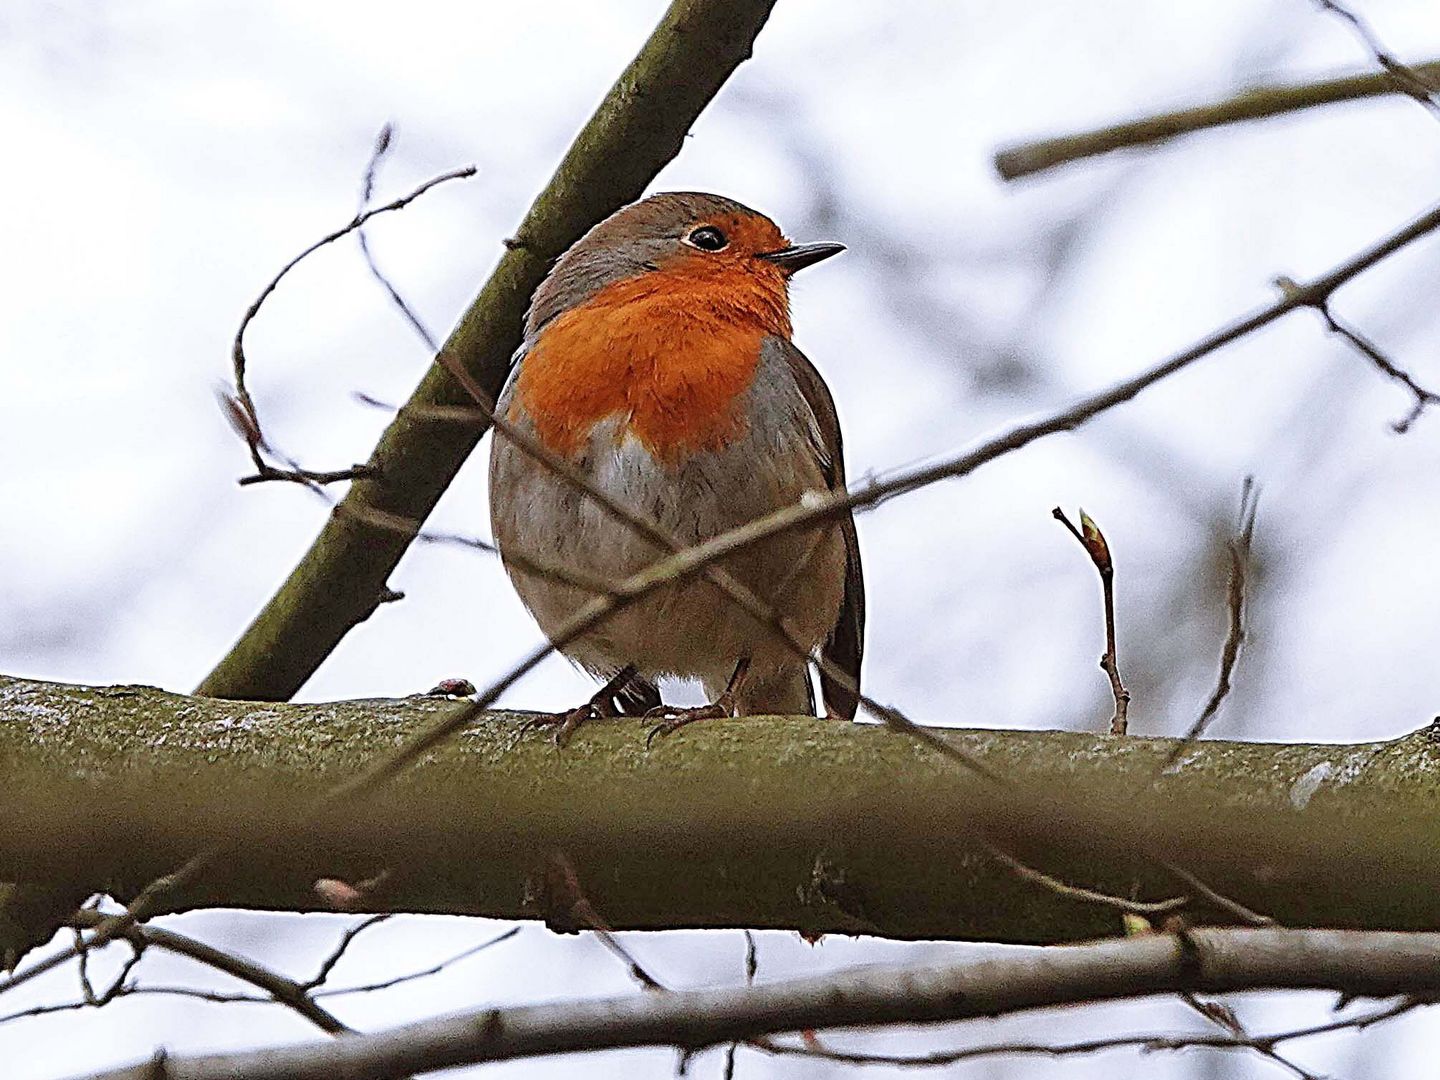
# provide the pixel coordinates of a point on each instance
(657, 362)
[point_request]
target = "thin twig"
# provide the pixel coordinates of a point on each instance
(433, 969)
(64, 1006)
(243, 413)
(1361, 344)
(1145, 908)
(566, 906)
(383, 142)
(282, 990)
(1144, 1043)
(87, 991)
(279, 989)
(110, 927)
(752, 968)
(341, 947)
(1248, 916)
(246, 423)
(1405, 78)
(1224, 1017)
(1240, 544)
(1095, 545)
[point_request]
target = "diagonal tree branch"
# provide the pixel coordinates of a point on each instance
(639, 127)
(1213, 961)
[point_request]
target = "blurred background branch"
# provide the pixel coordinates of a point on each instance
(1027, 158)
(1356, 964)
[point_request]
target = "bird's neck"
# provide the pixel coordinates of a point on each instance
(669, 358)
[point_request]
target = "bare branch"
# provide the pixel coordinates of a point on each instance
(1144, 908)
(411, 976)
(383, 143)
(1211, 961)
(1093, 541)
(283, 990)
(1025, 159)
(1147, 1043)
(1224, 1017)
(241, 408)
(1405, 78)
(1372, 352)
(1240, 544)
(337, 953)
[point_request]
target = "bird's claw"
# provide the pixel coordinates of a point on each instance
(673, 719)
(564, 723)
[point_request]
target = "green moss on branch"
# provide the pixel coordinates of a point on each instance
(763, 822)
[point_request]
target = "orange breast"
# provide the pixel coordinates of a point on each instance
(658, 352)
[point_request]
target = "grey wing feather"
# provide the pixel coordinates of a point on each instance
(845, 645)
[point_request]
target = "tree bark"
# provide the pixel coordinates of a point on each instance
(792, 822)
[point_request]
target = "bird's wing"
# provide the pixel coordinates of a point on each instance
(846, 642)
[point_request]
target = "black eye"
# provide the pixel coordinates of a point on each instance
(707, 238)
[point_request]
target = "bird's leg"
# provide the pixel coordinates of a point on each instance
(674, 719)
(602, 705)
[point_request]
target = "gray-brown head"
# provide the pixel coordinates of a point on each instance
(683, 240)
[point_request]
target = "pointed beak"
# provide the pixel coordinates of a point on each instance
(799, 256)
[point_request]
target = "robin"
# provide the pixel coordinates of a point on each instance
(657, 361)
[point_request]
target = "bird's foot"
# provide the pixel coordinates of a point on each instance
(672, 719)
(603, 704)
(564, 723)
(599, 707)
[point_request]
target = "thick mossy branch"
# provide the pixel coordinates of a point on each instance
(764, 822)
(636, 130)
